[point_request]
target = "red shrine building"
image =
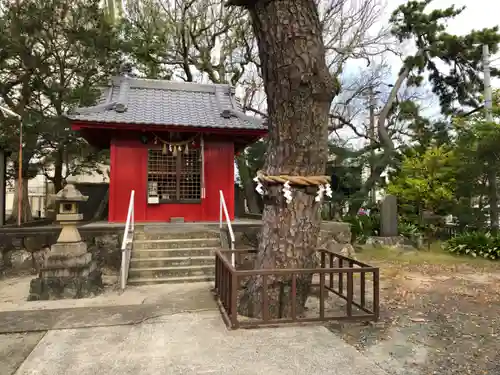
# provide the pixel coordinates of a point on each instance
(173, 143)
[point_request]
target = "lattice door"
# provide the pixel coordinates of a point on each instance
(175, 177)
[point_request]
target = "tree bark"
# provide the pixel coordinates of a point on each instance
(26, 207)
(57, 180)
(299, 91)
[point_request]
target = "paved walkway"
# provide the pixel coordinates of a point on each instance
(169, 330)
(194, 343)
(136, 305)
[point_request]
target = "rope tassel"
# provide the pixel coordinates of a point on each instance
(287, 192)
(259, 188)
(322, 182)
(321, 192)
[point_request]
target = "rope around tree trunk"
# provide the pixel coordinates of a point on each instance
(294, 180)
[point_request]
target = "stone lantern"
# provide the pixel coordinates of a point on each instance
(69, 271)
(68, 216)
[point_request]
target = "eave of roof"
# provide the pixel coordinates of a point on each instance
(221, 109)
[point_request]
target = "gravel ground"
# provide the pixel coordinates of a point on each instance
(439, 315)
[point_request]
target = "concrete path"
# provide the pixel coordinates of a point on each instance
(14, 348)
(14, 292)
(161, 329)
(135, 305)
(194, 343)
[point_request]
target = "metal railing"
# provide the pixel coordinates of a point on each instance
(223, 210)
(352, 283)
(128, 238)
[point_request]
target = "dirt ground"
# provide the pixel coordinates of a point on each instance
(439, 315)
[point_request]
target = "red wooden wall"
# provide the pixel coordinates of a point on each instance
(129, 172)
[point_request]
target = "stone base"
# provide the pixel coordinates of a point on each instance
(394, 242)
(68, 266)
(68, 249)
(66, 287)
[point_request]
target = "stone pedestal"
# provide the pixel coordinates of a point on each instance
(70, 274)
(68, 271)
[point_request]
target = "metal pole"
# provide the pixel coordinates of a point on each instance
(20, 176)
(488, 106)
(488, 101)
(371, 134)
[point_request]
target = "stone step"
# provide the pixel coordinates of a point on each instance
(176, 243)
(174, 234)
(153, 272)
(171, 261)
(175, 252)
(169, 280)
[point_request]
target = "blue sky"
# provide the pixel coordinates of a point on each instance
(478, 14)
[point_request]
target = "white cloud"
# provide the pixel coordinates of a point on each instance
(478, 15)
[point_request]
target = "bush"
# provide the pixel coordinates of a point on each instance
(476, 244)
(408, 230)
(363, 226)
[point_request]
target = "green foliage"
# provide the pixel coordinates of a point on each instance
(255, 156)
(475, 244)
(54, 56)
(452, 64)
(408, 229)
(426, 180)
(363, 226)
(462, 83)
(477, 162)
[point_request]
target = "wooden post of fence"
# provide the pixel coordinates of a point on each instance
(350, 292)
(265, 299)
(376, 304)
(234, 300)
(294, 296)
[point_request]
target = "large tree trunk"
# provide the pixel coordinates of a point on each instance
(299, 92)
(25, 203)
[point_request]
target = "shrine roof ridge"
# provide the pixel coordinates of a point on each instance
(131, 100)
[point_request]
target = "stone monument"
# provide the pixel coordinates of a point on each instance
(389, 217)
(68, 271)
(389, 226)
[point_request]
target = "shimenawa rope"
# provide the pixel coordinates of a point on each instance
(294, 180)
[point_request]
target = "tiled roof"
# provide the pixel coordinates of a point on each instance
(158, 102)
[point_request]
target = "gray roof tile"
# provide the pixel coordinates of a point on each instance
(158, 102)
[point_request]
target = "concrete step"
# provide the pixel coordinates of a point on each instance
(171, 261)
(181, 271)
(175, 252)
(176, 243)
(168, 280)
(174, 234)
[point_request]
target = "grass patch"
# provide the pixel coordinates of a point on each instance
(433, 256)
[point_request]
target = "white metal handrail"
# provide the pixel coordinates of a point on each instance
(223, 209)
(128, 237)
